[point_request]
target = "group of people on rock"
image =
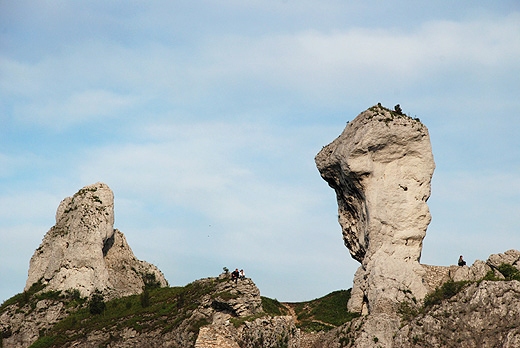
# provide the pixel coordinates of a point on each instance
(236, 275)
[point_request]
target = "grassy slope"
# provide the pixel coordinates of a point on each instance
(323, 313)
(166, 308)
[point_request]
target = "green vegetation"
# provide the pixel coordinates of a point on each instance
(30, 297)
(96, 304)
(145, 298)
(390, 115)
(273, 307)
(452, 288)
(509, 272)
(167, 308)
(150, 281)
(324, 313)
(446, 291)
(491, 276)
(407, 311)
(164, 308)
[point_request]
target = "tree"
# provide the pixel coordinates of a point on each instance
(145, 298)
(97, 303)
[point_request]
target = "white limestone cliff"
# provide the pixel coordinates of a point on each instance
(83, 250)
(381, 168)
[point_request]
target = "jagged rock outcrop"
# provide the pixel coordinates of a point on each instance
(262, 332)
(83, 250)
(242, 299)
(483, 315)
(381, 168)
(435, 276)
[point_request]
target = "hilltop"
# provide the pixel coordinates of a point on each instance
(207, 310)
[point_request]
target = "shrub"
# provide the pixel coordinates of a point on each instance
(490, 275)
(145, 298)
(96, 304)
(407, 311)
(509, 271)
(273, 307)
(43, 342)
(446, 291)
(150, 281)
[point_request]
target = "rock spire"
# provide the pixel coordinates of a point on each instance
(83, 250)
(381, 168)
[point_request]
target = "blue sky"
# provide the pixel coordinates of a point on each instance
(204, 118)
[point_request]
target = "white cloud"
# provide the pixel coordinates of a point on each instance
(29, 205)
(473, 213)
(18, 244)
(89, 105)
(198, 192)
(351, 58)
(71, 86)
(207, 166)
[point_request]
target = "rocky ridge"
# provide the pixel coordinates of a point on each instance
(475, 313)
(210, 312)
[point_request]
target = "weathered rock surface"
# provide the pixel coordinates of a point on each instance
(21, 326)
(435, 276)
(486, 314)
(242, 299)
(262, 332)
(83, 250)
(374, 330)
(381, 168)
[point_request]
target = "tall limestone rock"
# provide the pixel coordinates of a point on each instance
(381, 168)
(83, 250)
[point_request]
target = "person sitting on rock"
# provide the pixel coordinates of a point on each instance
(242, 274)
(235, 275)
(461, 261)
